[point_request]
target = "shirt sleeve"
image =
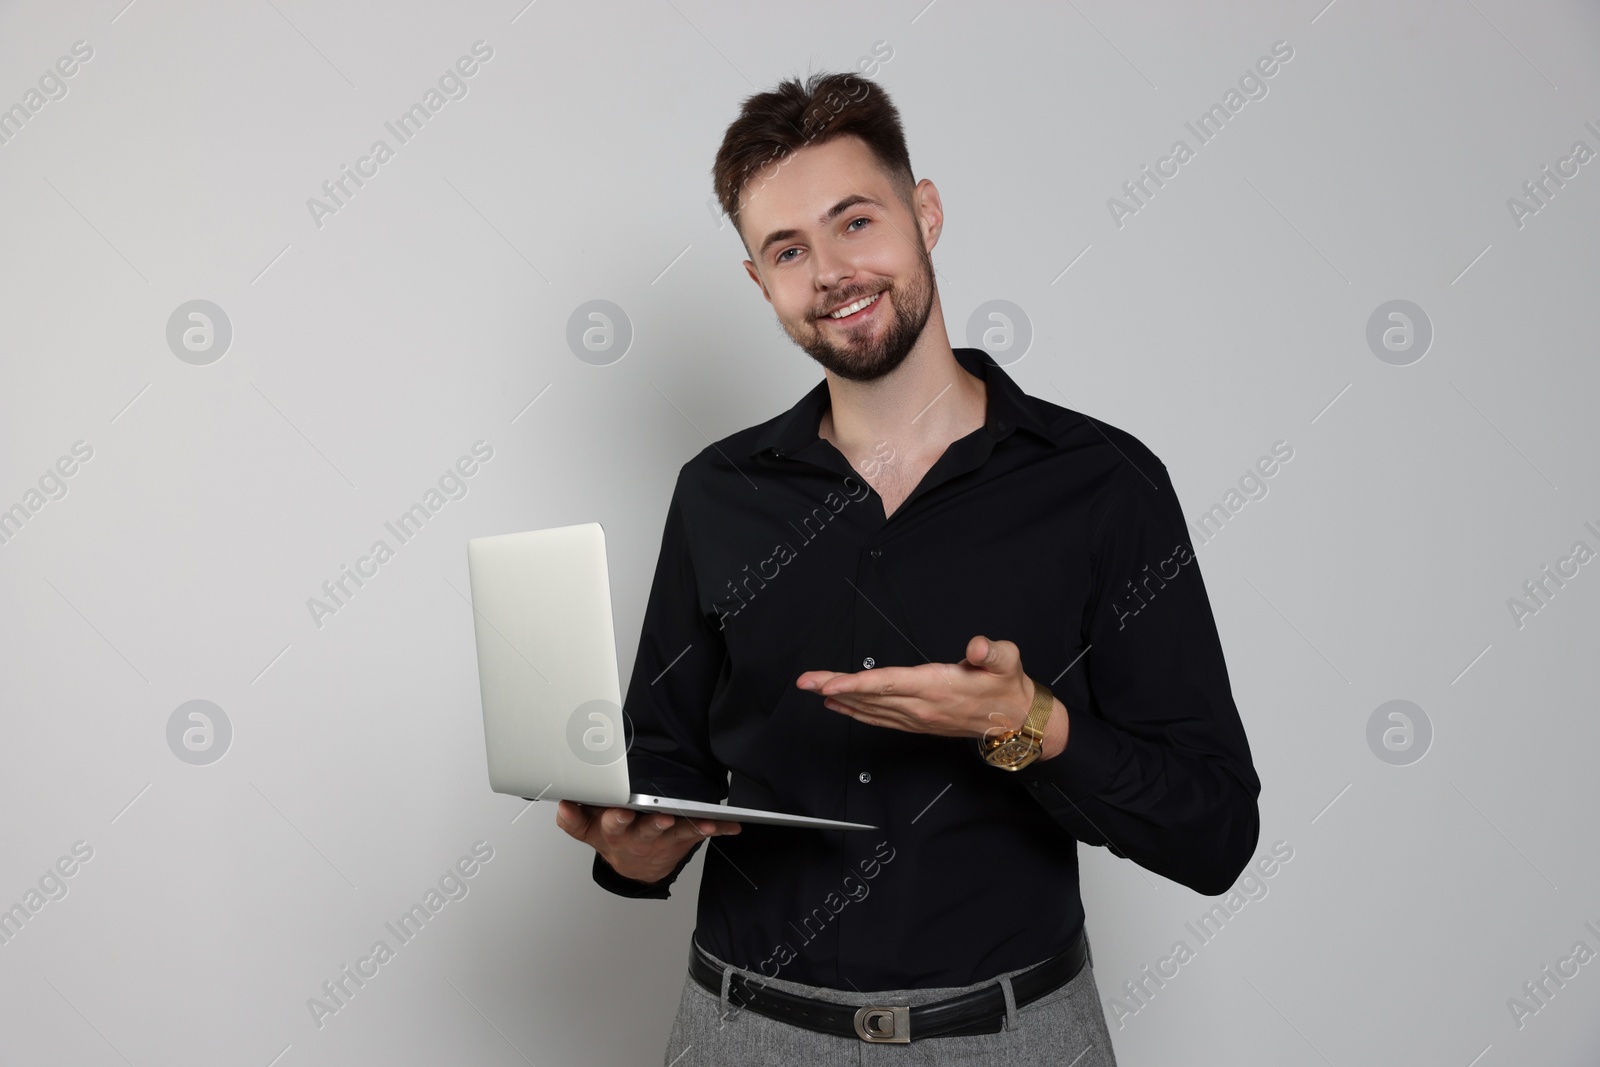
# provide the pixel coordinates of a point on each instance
(607, 877)
(1157, 767)
(680, 661)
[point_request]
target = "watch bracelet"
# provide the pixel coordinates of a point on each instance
(1038, 715)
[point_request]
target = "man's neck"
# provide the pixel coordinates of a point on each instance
(918, 409)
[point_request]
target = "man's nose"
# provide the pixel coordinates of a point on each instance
(833, 269)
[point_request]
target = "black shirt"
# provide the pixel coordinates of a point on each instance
(1042, 527)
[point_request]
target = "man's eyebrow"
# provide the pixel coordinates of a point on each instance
(828, 216)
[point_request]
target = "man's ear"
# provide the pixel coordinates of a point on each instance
(755, 276)
(930, 211)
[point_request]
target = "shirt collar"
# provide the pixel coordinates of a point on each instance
(1009, 408)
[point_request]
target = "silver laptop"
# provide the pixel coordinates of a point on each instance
(547, 668)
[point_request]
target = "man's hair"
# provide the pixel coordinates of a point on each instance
(774, 125)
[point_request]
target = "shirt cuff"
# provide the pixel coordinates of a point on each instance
(1094, 751)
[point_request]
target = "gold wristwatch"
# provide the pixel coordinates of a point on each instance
(1013, 750)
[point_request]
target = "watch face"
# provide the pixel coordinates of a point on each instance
(1012, 751)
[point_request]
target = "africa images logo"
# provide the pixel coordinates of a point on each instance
(453, 885)
(452, 485)
(337, 192)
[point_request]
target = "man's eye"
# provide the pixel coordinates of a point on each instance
(781, 257)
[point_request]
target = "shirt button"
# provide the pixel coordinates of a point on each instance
(876, 552)
(868, 662)
(865, 777)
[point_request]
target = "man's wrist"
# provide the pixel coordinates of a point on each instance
(626, 877)
(1056, 728)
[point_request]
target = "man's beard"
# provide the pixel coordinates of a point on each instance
(867, 359)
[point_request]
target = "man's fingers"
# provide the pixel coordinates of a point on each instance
(652, 825)
(698, 829)
(1000, 656)
(618, 826)
(614, 823)
(573, 818)
(687, 829)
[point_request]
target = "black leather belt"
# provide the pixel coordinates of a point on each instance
(981, 1011)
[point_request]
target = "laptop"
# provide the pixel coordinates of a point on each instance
(553, 723)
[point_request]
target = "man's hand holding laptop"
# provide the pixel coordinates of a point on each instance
(644, 846)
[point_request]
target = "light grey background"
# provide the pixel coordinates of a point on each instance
(431, 311)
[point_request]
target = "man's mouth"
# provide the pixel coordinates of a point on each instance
(856, 308)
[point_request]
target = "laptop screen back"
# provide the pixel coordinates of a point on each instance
(547, 664)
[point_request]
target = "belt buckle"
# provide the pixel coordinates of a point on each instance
(886, 1024)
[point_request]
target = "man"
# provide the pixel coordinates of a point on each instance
(923, 600)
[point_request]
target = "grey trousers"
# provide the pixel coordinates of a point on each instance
(1065, 1028)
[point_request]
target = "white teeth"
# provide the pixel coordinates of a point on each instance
(851, 309)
